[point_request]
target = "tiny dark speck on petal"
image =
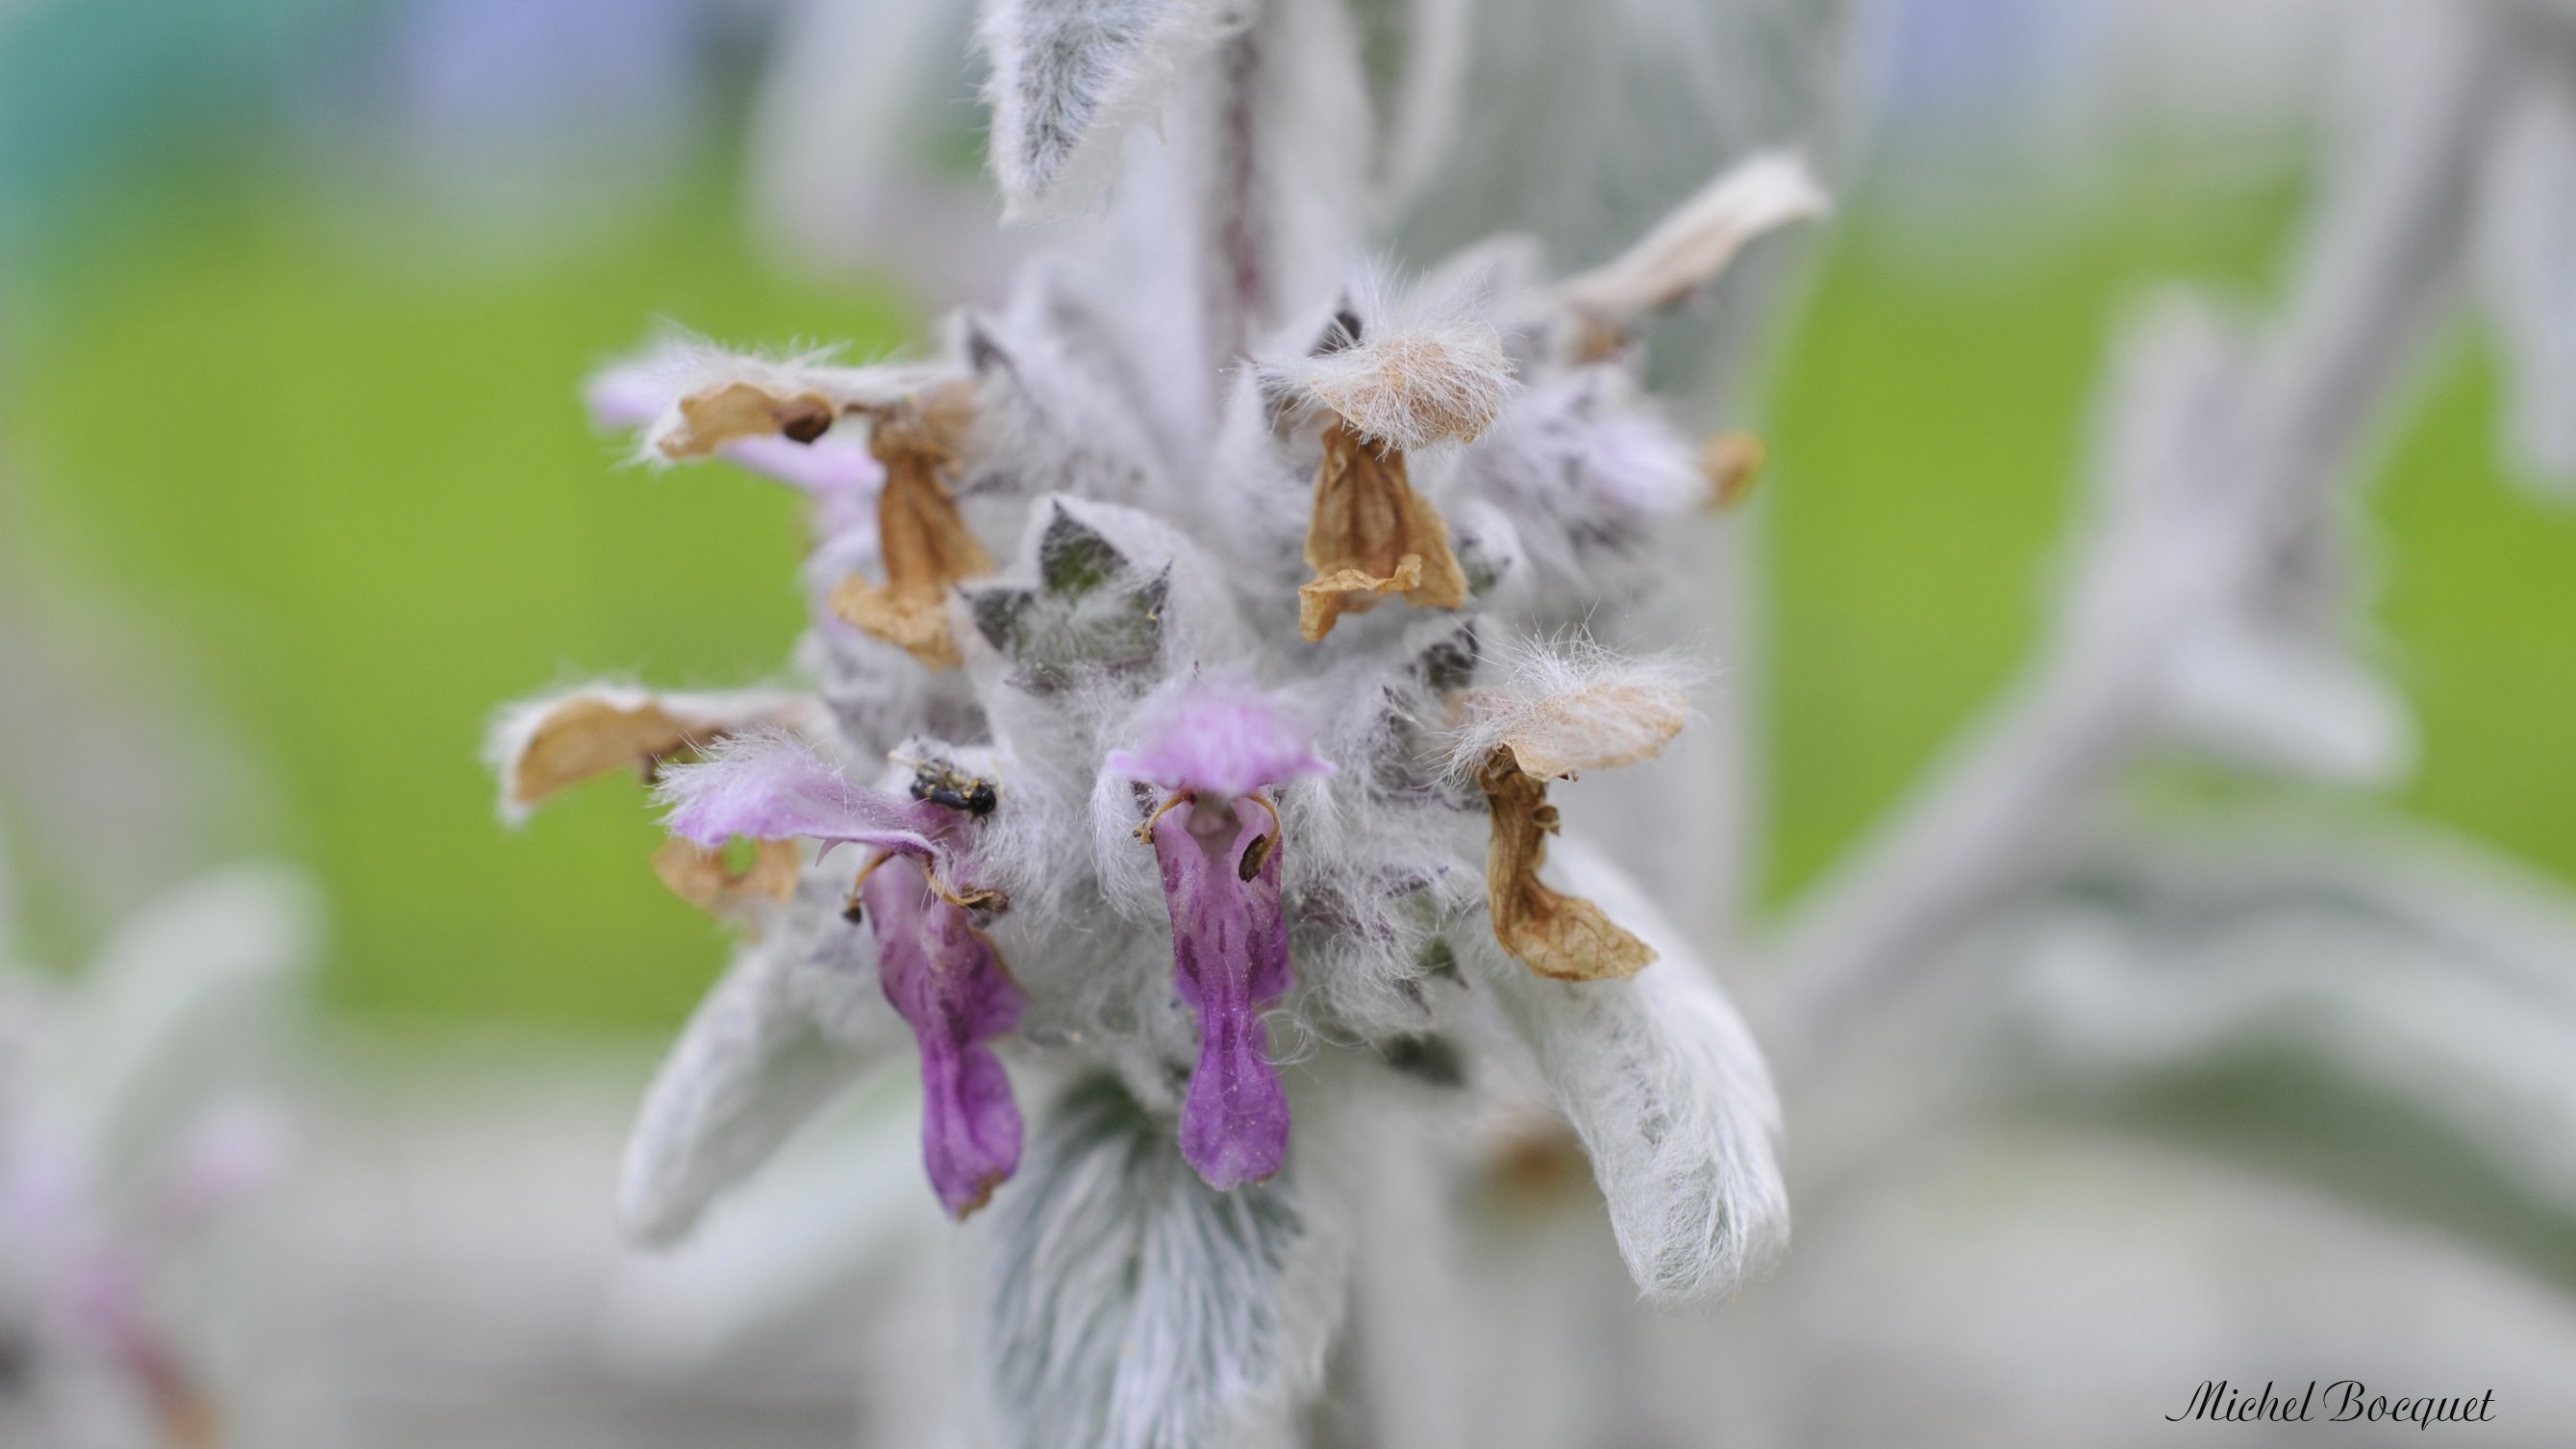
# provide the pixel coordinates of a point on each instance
(1254, 856)
(805, 424)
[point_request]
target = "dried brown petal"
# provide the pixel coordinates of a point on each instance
(588, 735)
(1732, 463)
(702, 878)
(1559, 936)
(1372, 535)
(920, 533)
(710, 419)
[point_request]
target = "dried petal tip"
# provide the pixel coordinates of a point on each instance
(921, 535)
(1223, 740)
(698, 398)
(545, 746)
(707, 397)
(708, 420)
(1559, 711)
(704, 878)
(1560, 936)
(1732, 463)
(1371, 535)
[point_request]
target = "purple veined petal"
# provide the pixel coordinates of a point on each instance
(946, 980)
(1224, 740)
(1229, 961)
(770, 787)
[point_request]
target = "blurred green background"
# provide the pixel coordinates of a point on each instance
(337, 468)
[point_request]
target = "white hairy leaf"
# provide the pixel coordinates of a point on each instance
(1665, 1086)
(768, 1047)
(1134, 1307)
(1072, 77)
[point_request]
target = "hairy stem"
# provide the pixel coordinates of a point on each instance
(2379, 258)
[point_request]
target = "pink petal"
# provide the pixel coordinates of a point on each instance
(946, 980)
(1229, 961)
(770, 787)
(1223, 740)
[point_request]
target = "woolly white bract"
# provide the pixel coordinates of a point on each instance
(1130, 819)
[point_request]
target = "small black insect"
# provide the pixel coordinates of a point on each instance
(944, 784)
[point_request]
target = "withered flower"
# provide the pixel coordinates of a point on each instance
(918, 415)
(706, 879)
(545, 746)
(923, 538)
(1560, 713)
(1371, 534)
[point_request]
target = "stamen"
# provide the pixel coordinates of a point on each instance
(850, 909)
(1145, 832)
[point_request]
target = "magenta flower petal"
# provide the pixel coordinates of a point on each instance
(946, 980)
(1223, 740)
(1229, 961)
(769, 787)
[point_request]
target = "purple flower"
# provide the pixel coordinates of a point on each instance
(1217, 841)
(946, 980)
(943, 977)
(767, 786)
